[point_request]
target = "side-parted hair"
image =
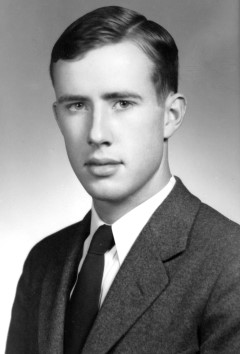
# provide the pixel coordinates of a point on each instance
(114, 24)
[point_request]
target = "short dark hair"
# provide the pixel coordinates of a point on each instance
(114, 24)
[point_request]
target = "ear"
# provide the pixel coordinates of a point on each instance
(54, 108)
(175, 108)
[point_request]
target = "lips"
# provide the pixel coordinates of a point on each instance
(102, 167)
(102, 162)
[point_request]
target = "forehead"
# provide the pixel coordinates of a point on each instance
(114, 66)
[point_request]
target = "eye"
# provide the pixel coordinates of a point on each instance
(76, 106)
(123, 104)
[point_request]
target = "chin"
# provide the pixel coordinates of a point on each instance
(105, 194)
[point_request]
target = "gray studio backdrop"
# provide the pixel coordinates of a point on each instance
(39, 192)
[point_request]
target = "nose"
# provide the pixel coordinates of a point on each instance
(99, 132)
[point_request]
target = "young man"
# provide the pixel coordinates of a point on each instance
(169, 279)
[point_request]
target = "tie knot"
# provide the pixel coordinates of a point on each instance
(102, 240)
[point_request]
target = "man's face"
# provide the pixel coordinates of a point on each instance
(112, 122)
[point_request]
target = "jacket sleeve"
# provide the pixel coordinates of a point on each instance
(220, 329)
(22, 330)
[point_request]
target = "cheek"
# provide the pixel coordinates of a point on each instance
(74, 128)
(144, 149)
(145, 136)
(75, 135)
(76, 147)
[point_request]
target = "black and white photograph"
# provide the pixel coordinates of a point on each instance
(120, 176)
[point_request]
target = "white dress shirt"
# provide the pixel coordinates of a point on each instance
(125, 232)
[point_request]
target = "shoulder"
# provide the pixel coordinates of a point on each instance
(206, 220)
(215, 233)
(212, 223)
(55, 241)
(210, 232)
(58, 244)
(58, 238)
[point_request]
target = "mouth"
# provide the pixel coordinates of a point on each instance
(102, 167)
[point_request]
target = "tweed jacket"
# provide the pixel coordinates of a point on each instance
(178, 290)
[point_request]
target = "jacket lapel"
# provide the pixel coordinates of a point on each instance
(56, 288)
(142, 277)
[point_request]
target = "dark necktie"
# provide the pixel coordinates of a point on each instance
(83, 306)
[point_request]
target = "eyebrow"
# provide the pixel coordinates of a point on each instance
(106, 96)
(121, 95)
(71, 98)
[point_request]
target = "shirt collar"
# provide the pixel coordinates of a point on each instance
(128, 227)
